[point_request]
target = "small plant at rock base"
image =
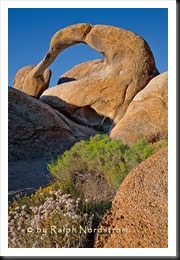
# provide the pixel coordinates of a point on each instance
(48, 219)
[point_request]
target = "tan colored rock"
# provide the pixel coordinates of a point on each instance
(37, 131)
(20, 76)
(25, 82)
(102, 89)
(139, 214)
(69, 36)
(35, 79)
(147, 114)
(106, 86)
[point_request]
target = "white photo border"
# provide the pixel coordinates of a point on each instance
(95, 252)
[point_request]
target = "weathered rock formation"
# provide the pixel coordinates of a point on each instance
(121, 93)
(38, 131)
(147, 114)
(36, 78)
(33, 86)
(103, 86)
(139, 214)
(100, 92)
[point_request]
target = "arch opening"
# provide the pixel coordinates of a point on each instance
(69, 58)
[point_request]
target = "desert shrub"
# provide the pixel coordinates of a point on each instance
(95, 168)
(56, 216)
(140, 151)
(48, 219)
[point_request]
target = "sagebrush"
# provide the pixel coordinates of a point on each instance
(95, 168)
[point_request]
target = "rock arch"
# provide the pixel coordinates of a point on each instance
(108, 85)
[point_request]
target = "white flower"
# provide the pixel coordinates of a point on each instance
(23, 207)
(85, 215)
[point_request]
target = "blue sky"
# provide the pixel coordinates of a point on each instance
(30, 31)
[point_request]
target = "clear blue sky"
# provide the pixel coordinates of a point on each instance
(30, 31)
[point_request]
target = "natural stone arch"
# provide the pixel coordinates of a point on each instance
(107, 86)
(70, 58)
(31, 79)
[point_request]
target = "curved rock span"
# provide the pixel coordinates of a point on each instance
(139, 214)
(104, 88)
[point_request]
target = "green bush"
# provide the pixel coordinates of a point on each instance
(95, 168)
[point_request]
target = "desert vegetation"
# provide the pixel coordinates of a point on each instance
(84, 180)
(101, 163)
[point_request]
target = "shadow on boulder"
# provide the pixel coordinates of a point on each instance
(85, 115)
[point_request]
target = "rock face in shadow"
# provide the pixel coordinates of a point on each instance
(26, 176)
(147, 114)
(139, 214)
(38, 131)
